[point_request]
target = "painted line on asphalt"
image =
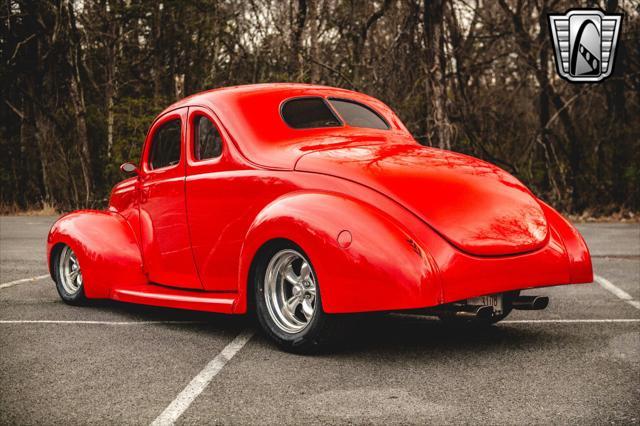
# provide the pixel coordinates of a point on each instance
(537, 321)
(201, 381)
(529, 321)
(23, 280)
(617, 291)
(97, 322)
(571, 321)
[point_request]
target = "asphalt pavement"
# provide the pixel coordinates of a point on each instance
(577, 362)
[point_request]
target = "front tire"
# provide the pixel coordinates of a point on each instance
(68, 276)
(287, 299)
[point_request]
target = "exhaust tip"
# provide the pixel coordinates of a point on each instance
(530, 303)
(540, 302)
(484, 312)
(473, 312)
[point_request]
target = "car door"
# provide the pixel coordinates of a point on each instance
(217, 192)
(163, 222)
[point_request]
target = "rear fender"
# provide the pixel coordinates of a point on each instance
(106, 247)
(580, 268)
(382, 268)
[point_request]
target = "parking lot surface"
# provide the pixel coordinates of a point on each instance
(578, 361)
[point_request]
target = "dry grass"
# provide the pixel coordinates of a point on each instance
(46, 210)
(622, 216)
(588, 216)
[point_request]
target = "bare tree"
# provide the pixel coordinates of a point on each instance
(438, 124)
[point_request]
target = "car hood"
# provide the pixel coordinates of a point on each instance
(476, 206)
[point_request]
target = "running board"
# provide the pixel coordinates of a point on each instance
(179, 299)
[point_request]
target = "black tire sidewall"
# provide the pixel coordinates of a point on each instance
(76, 298)
(306, 340)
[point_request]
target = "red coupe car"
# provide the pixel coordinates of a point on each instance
(300, 202)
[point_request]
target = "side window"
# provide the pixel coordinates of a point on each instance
(307, 113)
(358, 115)
(165, 147)
(207, 140)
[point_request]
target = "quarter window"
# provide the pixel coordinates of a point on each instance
(358, 115)
(208, 142)
(165, 147)
(307, 113)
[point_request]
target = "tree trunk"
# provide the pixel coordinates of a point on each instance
(114, 48)
(296, 70)
(80, 112)
(156, 59)
(76, 93)
(44, 140)
(438, 124)
(312, 34)
(178, 80)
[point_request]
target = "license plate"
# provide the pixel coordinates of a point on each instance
(494, 300)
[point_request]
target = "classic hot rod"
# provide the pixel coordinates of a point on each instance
(300, 202)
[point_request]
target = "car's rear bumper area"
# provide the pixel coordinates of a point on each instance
(563, 260)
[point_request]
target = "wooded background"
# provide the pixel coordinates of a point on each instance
(82, 81)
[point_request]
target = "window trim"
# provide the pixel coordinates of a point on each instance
(161, 122)
(194, 133)
(326, 103)
(351, 101)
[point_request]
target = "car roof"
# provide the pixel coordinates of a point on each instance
(250, 115)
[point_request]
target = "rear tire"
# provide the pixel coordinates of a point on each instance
(68, 276)
(288, 302)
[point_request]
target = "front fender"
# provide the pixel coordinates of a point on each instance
(381, 269)
(106, 247)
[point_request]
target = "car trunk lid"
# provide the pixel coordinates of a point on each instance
(476, 206)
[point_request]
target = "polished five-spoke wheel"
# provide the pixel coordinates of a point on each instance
(290, 291)
(68, 276)
(71, 275)
(288, 300)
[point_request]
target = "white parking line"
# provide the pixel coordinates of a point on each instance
(529, 321)
(97, 322)
(200, 382)
(537, 321)
(571, 321)
(620, 293)
(23, 280)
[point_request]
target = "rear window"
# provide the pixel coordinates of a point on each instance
(307, 113)
(358, 115)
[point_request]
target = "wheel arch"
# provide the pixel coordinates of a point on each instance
(105, 245)
(53, 255)
(258, 256)
(378, 268)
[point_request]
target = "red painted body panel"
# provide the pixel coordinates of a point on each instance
(380, 270)
(251, 117)
(175, 298)
(427, 226)
(473, 204)
(106, 247)
(164, 231)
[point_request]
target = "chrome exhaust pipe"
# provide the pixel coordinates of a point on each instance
(470, 311)
(530, 303)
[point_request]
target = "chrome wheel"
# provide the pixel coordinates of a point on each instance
(290, 291)
(69, 268)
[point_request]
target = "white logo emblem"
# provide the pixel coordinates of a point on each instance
(585, 43)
